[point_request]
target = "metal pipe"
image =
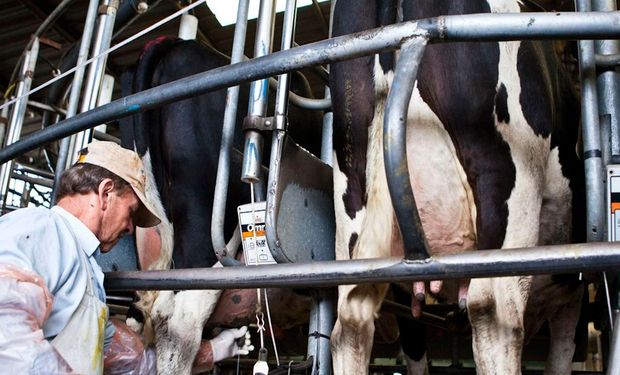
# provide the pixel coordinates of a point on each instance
(105, 137)
(228, 131)
(32, 170)
(564, 25)
(33, 180)
(395, 149)
(105, 96)
(46, 107)
(613, 364)
(607, 61)
(96, 71)
(253, 149)
(302, 101)
(595, 191)
(76, 88)
(608, 83)
(593, 256)
(17, 114)
(288, 34)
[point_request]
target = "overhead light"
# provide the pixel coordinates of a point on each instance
(226, 11)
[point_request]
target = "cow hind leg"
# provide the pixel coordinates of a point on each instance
(353, 332)
(496, 311)
(562, 328)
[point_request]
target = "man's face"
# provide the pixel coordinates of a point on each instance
(117, 219)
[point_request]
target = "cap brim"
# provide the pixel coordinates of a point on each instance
(145, 216)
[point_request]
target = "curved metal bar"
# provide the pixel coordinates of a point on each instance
(395, 149)
(218, 215)
(607, 61)
(591, 25)
(593, 256)
(302, 101)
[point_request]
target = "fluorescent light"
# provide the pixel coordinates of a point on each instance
(226, 11)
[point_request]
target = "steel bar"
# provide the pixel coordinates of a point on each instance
(17, 114)
(33, 180)
(594, 256)
(607, 61)
(613, 363)
(593, 162)
(33, 170)
(302, 101)
(228, 131)
(608, 83)
(76, 88)
(395, 149)
(593, 25)
(253, 149)
(96, 71)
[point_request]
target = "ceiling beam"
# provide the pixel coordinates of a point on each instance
(42, 9)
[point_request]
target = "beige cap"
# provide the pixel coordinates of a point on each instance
(127, 165)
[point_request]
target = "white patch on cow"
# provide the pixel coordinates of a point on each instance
(166, 232)
(529, 154)
(417, 367)
(179, 323)
(504, 6)
(443, 195)
(556, 211)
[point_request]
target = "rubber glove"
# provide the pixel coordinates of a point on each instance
(228, 344)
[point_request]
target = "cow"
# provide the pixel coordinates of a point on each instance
(180, 144)
(491, 146)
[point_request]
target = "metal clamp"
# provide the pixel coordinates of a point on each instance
(258, 123)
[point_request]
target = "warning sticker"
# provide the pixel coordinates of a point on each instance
(253, 237)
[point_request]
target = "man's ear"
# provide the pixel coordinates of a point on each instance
(106, 186)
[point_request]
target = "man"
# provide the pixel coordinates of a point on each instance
(53, 317)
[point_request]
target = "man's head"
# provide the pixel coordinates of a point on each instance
(106, 189)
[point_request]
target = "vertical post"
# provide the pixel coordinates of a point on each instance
(4, 122)
(76, 87)
(593, 162)
(322, 309)
(95, 72)
(228, 131)
(17, 114)
(253, 149)
(105, 96)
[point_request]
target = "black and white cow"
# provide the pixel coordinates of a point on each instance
(180, 144)
(491, 147)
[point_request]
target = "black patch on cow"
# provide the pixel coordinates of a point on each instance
(352, 242)
(536, 95)
(458, 81)
(386, 15)
(501, 104)
(236, 299)
(353, 101)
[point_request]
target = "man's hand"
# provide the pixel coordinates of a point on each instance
(231, 342)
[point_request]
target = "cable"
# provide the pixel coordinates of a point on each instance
(273, 338)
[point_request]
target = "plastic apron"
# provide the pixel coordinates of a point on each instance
(81, 342)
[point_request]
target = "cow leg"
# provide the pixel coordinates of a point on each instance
(562, 328)
(358, 305)
(178, 321)
(496, 311)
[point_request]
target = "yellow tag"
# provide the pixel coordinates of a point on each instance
(81, 158)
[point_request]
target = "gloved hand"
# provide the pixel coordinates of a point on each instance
(227, 343)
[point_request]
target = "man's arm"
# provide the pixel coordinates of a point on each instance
(25, 303)
(127, 355)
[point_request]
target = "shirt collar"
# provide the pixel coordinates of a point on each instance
(87, 239)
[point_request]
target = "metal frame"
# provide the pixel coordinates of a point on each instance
(411, 37)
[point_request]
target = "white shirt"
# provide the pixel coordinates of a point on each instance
(47, 242)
